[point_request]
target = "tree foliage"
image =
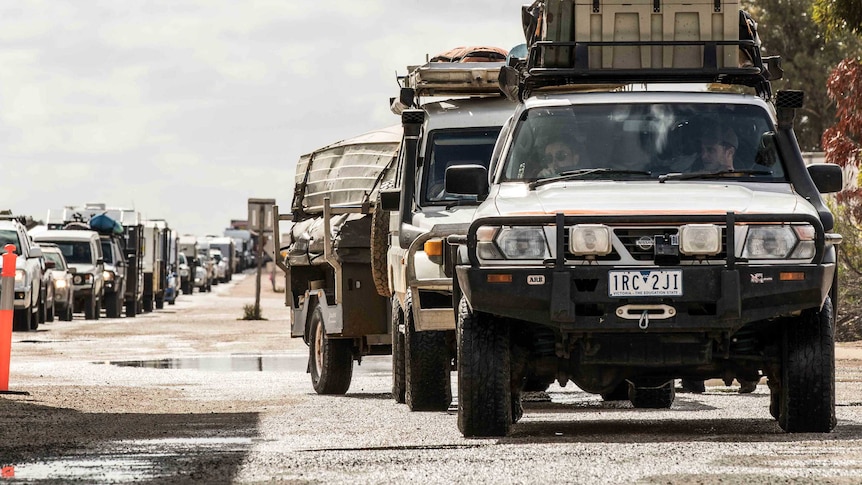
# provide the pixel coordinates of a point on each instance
(839, 15)
(842, 141)
(787, 29)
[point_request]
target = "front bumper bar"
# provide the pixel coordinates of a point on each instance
(575, 298)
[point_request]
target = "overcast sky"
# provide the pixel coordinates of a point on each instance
(184, 109)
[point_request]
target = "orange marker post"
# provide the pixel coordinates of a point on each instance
(7, 309)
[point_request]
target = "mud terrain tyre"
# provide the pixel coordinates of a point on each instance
(807, 394)
(379, 246)
(484, 374)
(652, 397)
(399, 386)
(331, 360)
(428, 366)
(112, 305)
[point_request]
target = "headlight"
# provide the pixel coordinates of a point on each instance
(20, 276)
(700, 239)
(59, 284)
(511, 243)
(108, 275)
(779, 242)
(81, 279)
(590, 239)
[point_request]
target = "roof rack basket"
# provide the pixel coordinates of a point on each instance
(554, 64)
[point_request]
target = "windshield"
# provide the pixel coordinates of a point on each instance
(107, 252)
(10, 237)
(639, 141)
(76, 252)
(454, 147)
(59, 262)
(182, 258)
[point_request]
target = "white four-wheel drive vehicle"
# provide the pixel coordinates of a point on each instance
(28, 273)
(635, 231)
(451, 114)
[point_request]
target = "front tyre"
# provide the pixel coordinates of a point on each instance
(331, 359)
(806, 398)
(484, 387)
(429, 367)
(90, 308)
(112, 305)
(21, 319)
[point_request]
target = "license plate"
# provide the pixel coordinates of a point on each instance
(645, 283)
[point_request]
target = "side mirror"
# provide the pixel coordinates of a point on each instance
(100, 261)
(390, 200)
(467, 180)
(72, 270)
(36, 252)
(827, 177)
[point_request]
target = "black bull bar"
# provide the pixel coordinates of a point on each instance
(735, 300)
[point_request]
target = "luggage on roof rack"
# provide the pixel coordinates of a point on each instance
(588, 42)
(458, 72)
(631, 21)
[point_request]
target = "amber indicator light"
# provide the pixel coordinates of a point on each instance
(434, 248)
(499, 278)
(791, 276)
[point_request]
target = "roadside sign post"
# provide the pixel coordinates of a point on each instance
(260, 220)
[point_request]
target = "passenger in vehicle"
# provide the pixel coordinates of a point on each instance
(717, 149)
(560, 156)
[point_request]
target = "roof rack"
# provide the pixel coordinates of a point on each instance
(555, 64)
(454, 79)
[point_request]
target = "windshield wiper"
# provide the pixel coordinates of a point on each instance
(713, 175)
(581, 173)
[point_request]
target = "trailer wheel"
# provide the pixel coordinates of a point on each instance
(331, 359)
(379, 246)
(428, 364)
(484, 387)
(807, 390)
(399, 386)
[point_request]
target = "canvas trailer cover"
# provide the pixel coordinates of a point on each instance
(349, 173)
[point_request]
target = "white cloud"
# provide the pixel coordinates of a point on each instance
(185, 108)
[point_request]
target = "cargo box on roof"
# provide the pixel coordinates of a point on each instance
(639, 20)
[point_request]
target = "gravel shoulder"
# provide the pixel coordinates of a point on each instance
(224, 422)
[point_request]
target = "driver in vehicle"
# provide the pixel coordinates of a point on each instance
(560, 156)
(717, 149)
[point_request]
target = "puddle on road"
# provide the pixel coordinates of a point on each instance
(249, 363)
(224, 363)
(127, 461)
